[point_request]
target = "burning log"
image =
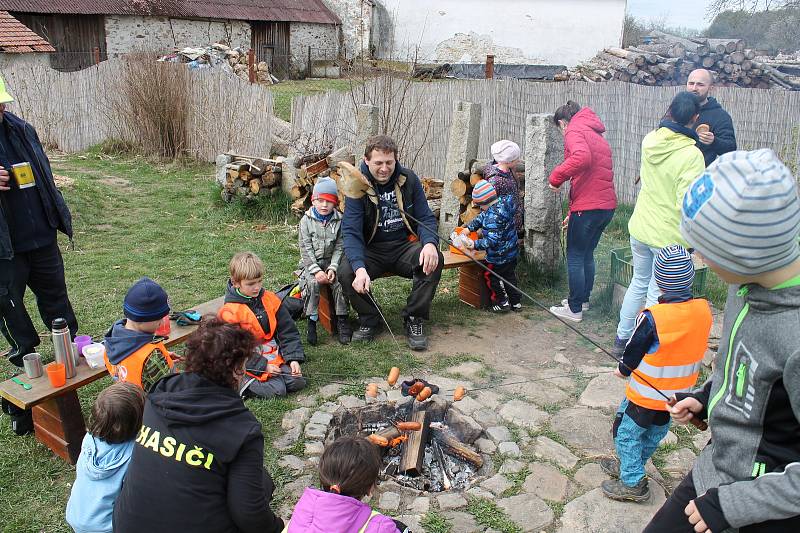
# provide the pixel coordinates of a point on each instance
(450, 444)
(414, 447)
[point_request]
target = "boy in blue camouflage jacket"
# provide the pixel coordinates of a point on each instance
(498, 236)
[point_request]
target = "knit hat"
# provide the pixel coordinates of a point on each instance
(325, 189)
(673, 269)
(505, 151)
(145, 301)
(484, 193)
(743, 213)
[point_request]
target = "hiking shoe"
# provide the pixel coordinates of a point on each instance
(584, 305)
(500, 307)
(565, 313)
(517, 307)
(416, 336)
(619, 347)
(365, 334)
(345, 331)
(311, 334)
(617, 490)
(610, 465)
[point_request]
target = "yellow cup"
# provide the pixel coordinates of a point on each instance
(23, 175)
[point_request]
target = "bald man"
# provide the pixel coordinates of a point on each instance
(720, 137)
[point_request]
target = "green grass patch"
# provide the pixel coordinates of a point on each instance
(285, 91)
(434, 522)
(488, 514)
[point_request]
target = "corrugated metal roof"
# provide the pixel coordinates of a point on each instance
(271, 10)
(17, 38)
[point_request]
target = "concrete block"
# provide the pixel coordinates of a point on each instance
(366, 127)
(222, 172)
(462, 149)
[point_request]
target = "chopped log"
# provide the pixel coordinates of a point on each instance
(414, 447)
(634, 57)
(245, 175)
(432, 187)
(470, 213)
(750, 54)
(255, 186)
(270, 179)
(317, 168)
(474, 179)
(465, 200)
(737, 58)
(450, 444)
(618, 63)
(296, 192)
(342, 154)
(458, 187)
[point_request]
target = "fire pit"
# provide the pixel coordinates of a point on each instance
(426, 445)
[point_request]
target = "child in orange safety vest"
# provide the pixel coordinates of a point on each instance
(666, 350)
(275, 369)
(133, 353)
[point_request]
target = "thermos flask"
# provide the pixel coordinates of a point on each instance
(62, 346)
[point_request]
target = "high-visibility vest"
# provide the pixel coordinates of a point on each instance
(241, 314)
(683, 330)
(130, 368)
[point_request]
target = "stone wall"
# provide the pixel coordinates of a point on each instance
(354, 33)
(23, 61)
(322, 38)
(126, 34)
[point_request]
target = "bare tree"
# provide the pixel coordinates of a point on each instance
(718, 6)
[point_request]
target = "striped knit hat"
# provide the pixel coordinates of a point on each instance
(673, 269)
(484, 193)
(743, 213)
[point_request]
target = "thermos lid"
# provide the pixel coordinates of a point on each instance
(59, 323)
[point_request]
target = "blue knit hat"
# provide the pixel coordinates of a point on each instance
(325, 188)
(145, 301)
(484, 193)
(673, 269)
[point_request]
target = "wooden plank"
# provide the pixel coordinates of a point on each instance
(414, 447)
(327, 309)
(59, 425)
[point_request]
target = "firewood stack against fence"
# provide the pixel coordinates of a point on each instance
(249, 177)
(462, 186)
(668, 60)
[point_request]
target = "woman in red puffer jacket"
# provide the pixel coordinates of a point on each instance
(589, 168)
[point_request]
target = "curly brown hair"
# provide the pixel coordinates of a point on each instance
(218, 350)
(117, 413)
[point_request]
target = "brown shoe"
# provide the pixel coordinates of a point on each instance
(617, 490)
(610, 465)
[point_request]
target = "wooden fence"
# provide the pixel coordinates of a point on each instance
(763, 118)
(75, 110)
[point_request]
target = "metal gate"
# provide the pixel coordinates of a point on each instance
(270, 41)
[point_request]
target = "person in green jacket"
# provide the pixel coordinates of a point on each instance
(671, 161)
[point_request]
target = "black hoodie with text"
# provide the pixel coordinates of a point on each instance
(197, 464)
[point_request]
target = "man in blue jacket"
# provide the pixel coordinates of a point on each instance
(32, 210)
(380, 238)
(718, 137)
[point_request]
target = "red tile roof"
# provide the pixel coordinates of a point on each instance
(16, 38)
(271, 10)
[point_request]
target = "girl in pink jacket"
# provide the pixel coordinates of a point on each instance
(348, 471)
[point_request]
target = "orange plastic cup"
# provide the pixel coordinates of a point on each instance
(461, 230)
(57, 374)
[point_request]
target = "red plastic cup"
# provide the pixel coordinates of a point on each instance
(57, 374)
(163, 329)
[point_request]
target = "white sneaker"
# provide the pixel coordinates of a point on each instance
(563, 311)
(584, 305)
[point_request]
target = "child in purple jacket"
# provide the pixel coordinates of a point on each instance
(348, 471)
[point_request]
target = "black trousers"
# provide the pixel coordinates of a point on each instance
(42, 270)
(498, 291)
(397, 257)
(671, 518)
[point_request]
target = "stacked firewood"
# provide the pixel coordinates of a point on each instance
(433, 192)
(248, 178)
(668, 60)
(462, 186)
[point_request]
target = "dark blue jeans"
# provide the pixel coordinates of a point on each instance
(583, 234)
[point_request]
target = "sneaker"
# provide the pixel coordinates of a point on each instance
(517, 307)
(416, 336)
(564, 312)
(365, 334)
(345, 331)
(610, 465)
(500, 307)
(584, 305)
(311, 333)
(617, 490)
(619, 347)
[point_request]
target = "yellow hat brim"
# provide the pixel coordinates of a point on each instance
(5, 97)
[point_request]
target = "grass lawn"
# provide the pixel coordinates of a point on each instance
(134, 217)
(284, 91)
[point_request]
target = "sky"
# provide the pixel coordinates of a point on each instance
(684, 13)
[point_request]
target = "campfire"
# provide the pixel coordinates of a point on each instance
(424, 444)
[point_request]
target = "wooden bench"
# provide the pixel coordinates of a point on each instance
(472, 288)
(57, 418)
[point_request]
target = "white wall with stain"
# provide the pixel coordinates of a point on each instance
(515, 31)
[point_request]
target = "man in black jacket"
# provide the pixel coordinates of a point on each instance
(719, 138)
(379, 237)
(31, 211)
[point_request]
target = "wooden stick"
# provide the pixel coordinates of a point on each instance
(450, 444)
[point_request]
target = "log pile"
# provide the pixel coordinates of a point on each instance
(462, 186)
(669, 59)
(248, 178)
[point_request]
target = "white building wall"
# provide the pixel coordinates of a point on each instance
(322, 38)
(356, 17)
(126, 33)
(531, 31)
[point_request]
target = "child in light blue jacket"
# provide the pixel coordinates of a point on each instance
(105, 453)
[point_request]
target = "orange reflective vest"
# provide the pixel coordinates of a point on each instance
(130, 368)
(241, 314)
(683, 330)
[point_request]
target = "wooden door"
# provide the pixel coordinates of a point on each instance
(270, 41)
(73, 36)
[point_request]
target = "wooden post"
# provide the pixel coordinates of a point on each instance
(489, 67)
(308, 64)
(251, 65)
(96, 55)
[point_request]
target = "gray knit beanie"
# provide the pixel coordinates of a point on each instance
(743, 213)
(325, 188)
